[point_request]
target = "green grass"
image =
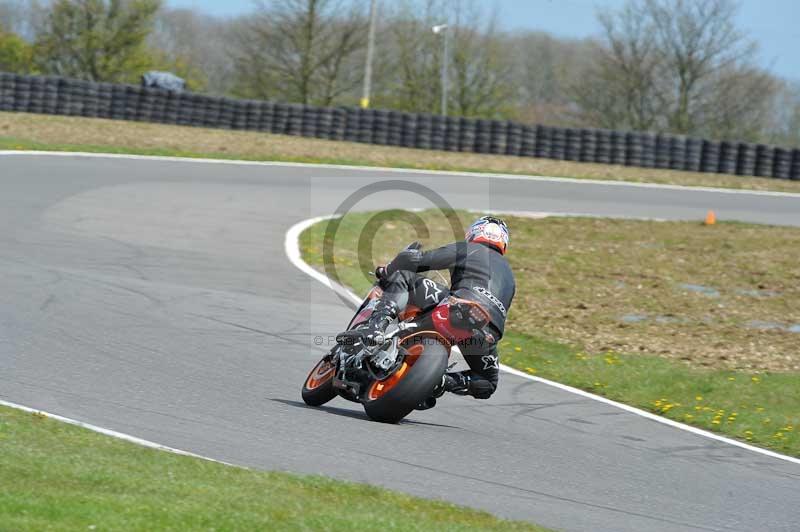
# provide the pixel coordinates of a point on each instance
(10, 143)
(578, 277)
(763, 409)
(54, 476)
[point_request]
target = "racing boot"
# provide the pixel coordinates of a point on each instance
(456, 383)
(385, 313)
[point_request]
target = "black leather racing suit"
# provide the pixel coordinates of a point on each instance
(477, 272)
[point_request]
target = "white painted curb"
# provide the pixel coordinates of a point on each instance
(292, 249)
(112, 433)
(292, 246)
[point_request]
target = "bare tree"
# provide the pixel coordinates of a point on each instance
(621, 88)
(698, 41)
(24, 17)
(544, 67)
(480, 65)
(679, 66)
(413, 83)
(195, 43)
(785, 128)
(300, 50)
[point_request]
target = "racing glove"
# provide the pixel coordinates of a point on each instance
(408, 259)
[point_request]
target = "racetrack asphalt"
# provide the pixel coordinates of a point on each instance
(154, 298)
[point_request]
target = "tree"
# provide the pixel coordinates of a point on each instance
(620, 91)
(698, 43)
(680, 66)
(481, 80)
(97, 40)
(544, 67)
(786, 113)
(16, 55)
(194, 46)
(413, 82)
(478, 70)
(304, 51)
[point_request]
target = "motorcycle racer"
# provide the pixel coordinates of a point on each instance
(479, 272)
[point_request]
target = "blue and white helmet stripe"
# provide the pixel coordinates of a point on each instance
(489, 227)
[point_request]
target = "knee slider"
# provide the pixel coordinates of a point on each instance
(481, 388)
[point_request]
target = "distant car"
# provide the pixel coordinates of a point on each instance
(163, 80)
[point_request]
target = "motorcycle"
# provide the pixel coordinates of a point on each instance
(400, 374)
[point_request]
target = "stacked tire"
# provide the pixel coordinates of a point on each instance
(746, 159)
(728, 152)
(782, 164)
(603, 146)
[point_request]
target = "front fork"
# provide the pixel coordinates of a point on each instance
(354, 372)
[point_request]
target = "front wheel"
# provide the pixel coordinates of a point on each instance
(318, 388)
(393, 398)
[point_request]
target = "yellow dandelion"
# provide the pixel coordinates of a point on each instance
(715, 421)
(517, 349)
(698, 408)
(731, 378)
(755, 379)
(698, 398)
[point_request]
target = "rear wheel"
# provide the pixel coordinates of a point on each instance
(318, 388)
(393, 398)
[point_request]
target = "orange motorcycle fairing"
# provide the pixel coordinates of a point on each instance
(409, 313)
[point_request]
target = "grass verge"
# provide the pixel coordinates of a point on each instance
(19, 131)
(54, 476)
(671, 317)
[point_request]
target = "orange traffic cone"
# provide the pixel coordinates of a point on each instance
(711, 218)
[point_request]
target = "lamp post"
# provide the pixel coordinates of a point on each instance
(373, 11)
(442, 28)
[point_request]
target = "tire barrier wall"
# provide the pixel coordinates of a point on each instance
(63, 96)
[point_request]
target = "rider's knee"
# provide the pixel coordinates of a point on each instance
(481, 388)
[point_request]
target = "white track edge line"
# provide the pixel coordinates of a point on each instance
(112, 433)
(546, 179)
(292, 247)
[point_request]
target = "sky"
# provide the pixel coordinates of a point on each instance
(772, 23)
